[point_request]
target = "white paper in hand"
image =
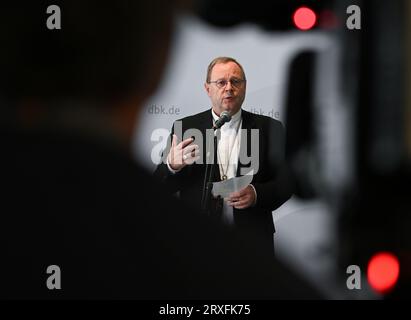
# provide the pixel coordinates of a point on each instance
(225, 188)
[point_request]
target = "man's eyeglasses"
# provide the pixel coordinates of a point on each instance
(221, 83)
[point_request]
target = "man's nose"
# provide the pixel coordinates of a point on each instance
(228, 86)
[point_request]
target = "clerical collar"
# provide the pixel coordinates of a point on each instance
(234, 118)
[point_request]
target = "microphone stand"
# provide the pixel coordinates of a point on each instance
(209, 173)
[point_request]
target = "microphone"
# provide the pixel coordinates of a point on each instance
(224, 117)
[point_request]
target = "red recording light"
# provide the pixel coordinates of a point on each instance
(383, 272)
(304, 18)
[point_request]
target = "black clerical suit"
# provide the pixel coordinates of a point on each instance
(271, 181)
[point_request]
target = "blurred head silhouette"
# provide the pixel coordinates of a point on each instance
(106, 56)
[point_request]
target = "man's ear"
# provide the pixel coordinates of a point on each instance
(207, 88)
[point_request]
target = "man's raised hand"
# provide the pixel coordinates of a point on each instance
(182, 154)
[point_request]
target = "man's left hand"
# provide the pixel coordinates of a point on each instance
(242, 199)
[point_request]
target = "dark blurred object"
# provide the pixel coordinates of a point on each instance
(300, 138)
(376, 215)
(92, 57)
(271, 15)
(114, 233)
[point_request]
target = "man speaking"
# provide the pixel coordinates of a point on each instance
(245, 141)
